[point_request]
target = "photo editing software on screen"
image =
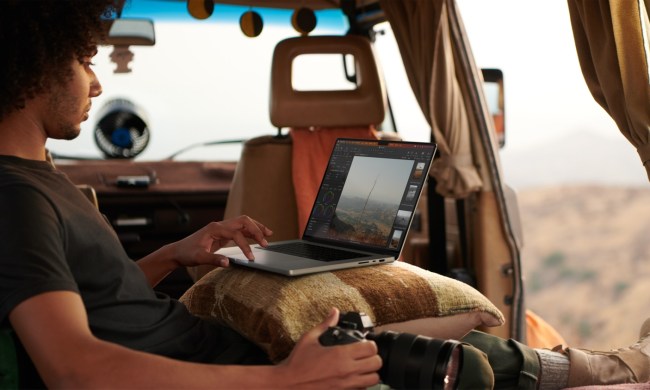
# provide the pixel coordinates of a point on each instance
(369, 192)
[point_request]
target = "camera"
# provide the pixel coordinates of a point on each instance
(409, 361)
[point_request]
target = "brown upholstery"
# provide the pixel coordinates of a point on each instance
(90, 193)
(262, 186)
(362, 106)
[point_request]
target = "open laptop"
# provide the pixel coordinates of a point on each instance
(361, 215)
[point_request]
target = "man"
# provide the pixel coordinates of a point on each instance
(85, 314)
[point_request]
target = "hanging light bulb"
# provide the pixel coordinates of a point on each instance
(303, 20)
(200, 9)
(251, 24)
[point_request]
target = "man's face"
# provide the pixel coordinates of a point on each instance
(68, 104)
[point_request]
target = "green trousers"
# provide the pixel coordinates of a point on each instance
(492, 362)
(8, 364)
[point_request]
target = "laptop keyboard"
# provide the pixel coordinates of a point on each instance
(314, 252)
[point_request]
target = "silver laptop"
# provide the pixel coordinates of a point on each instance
(362, 214)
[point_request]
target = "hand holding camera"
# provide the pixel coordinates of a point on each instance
(409, 361)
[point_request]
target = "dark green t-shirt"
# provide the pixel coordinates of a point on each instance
(53, 239)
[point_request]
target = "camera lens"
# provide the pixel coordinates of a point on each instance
(417, 362)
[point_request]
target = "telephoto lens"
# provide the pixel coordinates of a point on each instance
(418, 362)
(409, 361)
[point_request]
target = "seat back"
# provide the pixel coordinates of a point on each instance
(262, 186)
(362, 106)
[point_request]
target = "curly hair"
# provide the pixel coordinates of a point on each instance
(38, 39)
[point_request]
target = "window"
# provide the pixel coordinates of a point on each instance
(203, 81)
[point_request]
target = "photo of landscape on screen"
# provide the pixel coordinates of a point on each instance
(370, 200)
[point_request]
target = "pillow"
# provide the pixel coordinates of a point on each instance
(274, 311)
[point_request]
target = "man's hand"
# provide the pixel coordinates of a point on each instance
(312, 365)
(198, 248)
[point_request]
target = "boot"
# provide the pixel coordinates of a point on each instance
(624, 365)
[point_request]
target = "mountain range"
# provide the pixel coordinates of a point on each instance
(576, 158)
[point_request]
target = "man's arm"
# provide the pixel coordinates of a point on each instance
(53, 327)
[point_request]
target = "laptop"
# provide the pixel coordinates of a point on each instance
(361, 215)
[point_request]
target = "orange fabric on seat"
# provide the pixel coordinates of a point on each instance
(310, 154)
(540, 334)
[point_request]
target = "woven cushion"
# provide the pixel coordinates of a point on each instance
(273, 311)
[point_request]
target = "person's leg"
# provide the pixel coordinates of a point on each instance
(518, 366)
(514, 365)
(229, 347)
(624, 365)
(475, 371)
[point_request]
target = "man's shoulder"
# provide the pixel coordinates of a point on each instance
(22, 191)
(18, 174)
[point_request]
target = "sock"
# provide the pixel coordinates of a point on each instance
(554, 370)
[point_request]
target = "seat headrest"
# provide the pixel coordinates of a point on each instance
(362, 106)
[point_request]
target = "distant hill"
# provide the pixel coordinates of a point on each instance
(577, 158)
(586, 260)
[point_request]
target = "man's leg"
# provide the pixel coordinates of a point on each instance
(624, 365)
(475, 372)
(518, 366)
(515, 366)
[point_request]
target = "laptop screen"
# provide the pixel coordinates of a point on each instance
(369, 193)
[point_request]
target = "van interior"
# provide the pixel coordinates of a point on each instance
(280, 80)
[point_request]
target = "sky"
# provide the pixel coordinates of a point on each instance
(549, 108)
(531, 41)
(379, 179)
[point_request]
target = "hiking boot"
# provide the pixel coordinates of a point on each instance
(624, 365)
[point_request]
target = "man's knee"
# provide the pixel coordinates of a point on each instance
(475, 372)
(513, 364)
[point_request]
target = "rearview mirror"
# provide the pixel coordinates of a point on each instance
(127, 32)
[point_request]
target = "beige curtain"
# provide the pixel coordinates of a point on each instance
(612, 39)
(422, 32)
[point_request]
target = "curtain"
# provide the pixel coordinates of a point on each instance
(422, 32)
(611, 38)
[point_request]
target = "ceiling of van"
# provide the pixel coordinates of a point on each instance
(367, 12)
